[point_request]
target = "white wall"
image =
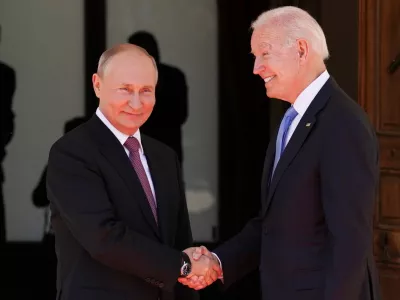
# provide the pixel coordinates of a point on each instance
(43, 41)
(186, 31)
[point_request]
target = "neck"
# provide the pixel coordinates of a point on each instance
(307, 78)
(127, 131)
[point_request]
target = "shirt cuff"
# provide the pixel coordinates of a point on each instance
(220, 265)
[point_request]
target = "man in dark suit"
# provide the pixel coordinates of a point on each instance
(47, 287)
(171, 109)
(313, 237)
(7, 90)
(118, 207)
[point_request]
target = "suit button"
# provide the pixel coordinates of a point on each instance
(161, 285)
(266, 230)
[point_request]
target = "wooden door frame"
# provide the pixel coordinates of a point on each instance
(368, 58)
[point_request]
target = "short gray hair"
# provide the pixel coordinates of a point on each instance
(297, 24)
(107, 55)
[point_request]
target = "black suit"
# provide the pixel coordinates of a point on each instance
(107, 241)
(313, 237)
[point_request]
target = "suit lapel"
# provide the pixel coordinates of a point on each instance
(268, 164)
(113, 151)
(303, 129)
(157, 171)
(292, 148)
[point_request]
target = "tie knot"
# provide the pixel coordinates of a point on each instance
(132, 144)
(291, 113)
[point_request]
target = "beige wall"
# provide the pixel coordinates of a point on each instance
(43, 41)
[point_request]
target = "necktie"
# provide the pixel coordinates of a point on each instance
(290, 114)
(133, 145)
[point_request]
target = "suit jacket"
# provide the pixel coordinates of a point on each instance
(313, 237)
(108, 244)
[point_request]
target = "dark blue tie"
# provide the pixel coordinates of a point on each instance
(290, 114)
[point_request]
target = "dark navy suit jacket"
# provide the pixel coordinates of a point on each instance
(313, 237)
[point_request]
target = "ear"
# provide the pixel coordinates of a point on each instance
(303, 50)
(96, 84)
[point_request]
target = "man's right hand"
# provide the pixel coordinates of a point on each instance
(205, 268)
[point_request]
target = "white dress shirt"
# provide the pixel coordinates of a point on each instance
(122, 137)
(304, 100)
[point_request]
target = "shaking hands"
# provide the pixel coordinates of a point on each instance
(205, 268)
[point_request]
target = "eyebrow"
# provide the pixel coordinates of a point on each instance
(263, 45)
(132, 85)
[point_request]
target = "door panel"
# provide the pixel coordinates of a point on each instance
(379, 94)
(390, 281)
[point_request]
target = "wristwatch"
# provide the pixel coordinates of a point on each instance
(186, 265)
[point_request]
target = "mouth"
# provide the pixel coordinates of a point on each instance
(268, 79)
(133, 114)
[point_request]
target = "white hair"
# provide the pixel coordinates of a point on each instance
(296, 23)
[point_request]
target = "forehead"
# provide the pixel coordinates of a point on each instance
(266, 37)
(130, 68)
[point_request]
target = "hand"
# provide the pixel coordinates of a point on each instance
(205, 268)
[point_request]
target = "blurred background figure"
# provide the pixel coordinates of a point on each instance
(47, 288)
(171, 108)
(7, 89)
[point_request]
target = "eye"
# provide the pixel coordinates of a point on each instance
(124, 89)
(146, 90)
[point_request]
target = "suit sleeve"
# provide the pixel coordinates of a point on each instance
(78, 192)
(349, 170)
(184, 238)
(241, 254)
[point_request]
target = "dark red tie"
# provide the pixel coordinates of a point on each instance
(133, 145)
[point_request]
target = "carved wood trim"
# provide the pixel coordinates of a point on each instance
(368, 58)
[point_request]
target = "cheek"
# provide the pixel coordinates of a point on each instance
(274, 66)
(119, 102)
(285, 71)
(148, 103)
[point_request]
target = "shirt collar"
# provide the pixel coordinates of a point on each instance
(305, 98)
(122, 137)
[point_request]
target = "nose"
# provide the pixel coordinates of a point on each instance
(134, 101)
(258, 66)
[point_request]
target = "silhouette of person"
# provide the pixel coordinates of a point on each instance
(171, 108)
(48, 289)
(7, 90)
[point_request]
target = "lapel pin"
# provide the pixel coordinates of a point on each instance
(308, 124)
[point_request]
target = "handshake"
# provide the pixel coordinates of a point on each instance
(206, 268)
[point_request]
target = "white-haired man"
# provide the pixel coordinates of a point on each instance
(313, 237)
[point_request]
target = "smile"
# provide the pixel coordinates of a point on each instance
(268, 79)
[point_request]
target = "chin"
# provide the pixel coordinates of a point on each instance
(133, 126)
(270, 95)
